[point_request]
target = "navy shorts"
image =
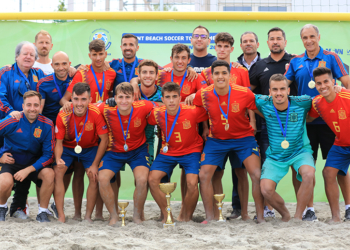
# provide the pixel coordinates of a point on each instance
(215, 150)
(116, 161)
(339, 158)
(167, 163)
(86, 157)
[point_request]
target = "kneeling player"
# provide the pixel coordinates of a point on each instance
(30, 142)
(77, 135)
(126, 123)
(334, 110)
(181, 144)
(289, 145)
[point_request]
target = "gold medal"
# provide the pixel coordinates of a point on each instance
(227, 126)
(285, 144)
(78, 149)
(312, 84)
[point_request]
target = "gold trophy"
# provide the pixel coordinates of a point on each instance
(168, 188)
(123, 205)
(219, 198)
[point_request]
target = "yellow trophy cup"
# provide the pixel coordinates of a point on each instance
(123, 205)
(168, 188)
(219, 198)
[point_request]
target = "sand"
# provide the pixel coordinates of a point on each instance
(235, 234)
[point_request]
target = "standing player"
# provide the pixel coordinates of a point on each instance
(127, 144)
(300, 70)
(181, 144)
(31, 158)
(289, 146)
(77, 136)
(249, 46)
(229, 131)
(333, 108)
(100, 82)
(43, 43)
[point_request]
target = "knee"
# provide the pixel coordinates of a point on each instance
(267, 191)
(308, 176)
(192, 185)
(152, 180)
(6, 183)
(327, 173)
(204, 176)
(142, 181)
(47, 175)
(103, 179)
(241, 173)
(255, 175)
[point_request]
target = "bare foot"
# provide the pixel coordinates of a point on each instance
(261, 220)
(88, 219)
(335, 220)
(180, 218)
(245, 217)
(137, 220)
(286, 217)
(99, 218)
(62, 219)
(77, 217)
(113, 221)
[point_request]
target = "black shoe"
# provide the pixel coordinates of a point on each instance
(54, 210)
(310, 216)
(3, 212)
(347, 214)
(42, 217)
(236, 213)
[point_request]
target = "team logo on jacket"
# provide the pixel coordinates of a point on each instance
(186, 89)
(37, 132)
(186, 124)
(137, 122)
(35, 78)
(342, 114)
(89, 126)
(322, 64)
(235, 107)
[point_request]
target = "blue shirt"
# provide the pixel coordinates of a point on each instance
(296, 127)
(117, 65)
(13, 86)
(298, 71)
(47, 88)
(29, 143)
(201, 63)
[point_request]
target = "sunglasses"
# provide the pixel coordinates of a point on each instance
(197, 36)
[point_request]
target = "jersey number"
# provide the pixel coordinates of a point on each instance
(128, 135)
(336, 127)
(178, 137)
(223, 119)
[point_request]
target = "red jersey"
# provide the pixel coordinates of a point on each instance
(336, 114)
(188, 87)
(241, 99)
(88, 77)
(185, 138)
(94, 126)
(136, 136)
(239, 76)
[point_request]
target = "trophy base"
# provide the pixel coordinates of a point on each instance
(221, 221)
(169, 225)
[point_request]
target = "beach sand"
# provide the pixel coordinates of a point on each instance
(234, 234)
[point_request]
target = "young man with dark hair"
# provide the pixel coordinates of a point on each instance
(126, 123)
(31, 160)
(333, 108)
(289, 146)
(230, 130)
(100, 82)
(77, 139)
(181, 144)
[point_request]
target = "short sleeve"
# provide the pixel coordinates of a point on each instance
(338, 69)
(245, 78)
(198, 99)
(200, 82)
(313, 112)
(290, 74)
(101, 126)
(151, 118)
(60, 129)
(202, 114)
(250, 100)
(77, 78)
(303, 101)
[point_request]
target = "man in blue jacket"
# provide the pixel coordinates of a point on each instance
(29, 141)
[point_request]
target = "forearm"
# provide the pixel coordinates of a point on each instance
(100, 151)
(58, 150)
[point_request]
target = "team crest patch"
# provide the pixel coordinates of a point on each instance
(108, 84)
(293, 117)
(186, 89)
(89, 126)
(0, 168)
(137, 71)
(235, 107)
(322, 64)
(186, 124)
(35, 78)
(233, 79)
(203, 157)
(37, 132)
(101, 164)
(137, 122)
(342, 114)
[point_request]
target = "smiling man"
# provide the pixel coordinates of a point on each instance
(43, 42)
(31, 159)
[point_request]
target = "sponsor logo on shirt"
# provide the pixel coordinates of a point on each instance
(104, 127)
(17, 81)
(19, 130)
(54, 90)
(266, 69)
(332, 111)
(300, 66)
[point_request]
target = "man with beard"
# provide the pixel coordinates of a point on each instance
(43, 42)
(249, 46)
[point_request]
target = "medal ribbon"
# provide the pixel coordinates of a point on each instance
(100, 90)
(228, 103)
(77, 138)
(172, 126)
(125, 135)
(132, 70)
(182, 81)
(57, 87)
(284, 132)
(307, 62)
(25, 78)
